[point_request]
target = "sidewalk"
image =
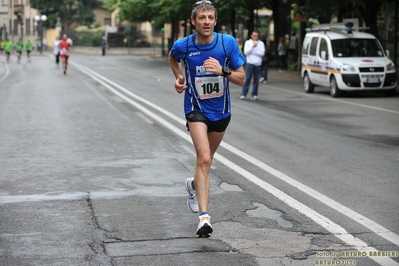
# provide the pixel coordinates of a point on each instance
(275, 74)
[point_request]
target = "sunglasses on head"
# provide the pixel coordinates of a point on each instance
(202, 1)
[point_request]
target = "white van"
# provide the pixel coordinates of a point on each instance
(345, 60)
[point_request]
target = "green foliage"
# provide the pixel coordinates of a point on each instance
(85, 38)
(293, 66)
(274, 64)
(69, 11)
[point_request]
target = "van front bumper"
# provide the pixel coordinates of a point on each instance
(369, 81)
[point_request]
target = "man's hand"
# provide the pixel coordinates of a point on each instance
(213, 65)
(179, 84)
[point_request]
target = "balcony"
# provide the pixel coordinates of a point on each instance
(18, 9)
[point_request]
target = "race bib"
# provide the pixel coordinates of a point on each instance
(64, 51)
(209, 87)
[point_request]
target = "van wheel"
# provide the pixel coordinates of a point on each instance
(389, 93)
(307, 84)
(334, 90)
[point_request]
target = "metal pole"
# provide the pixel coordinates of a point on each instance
(41, 37)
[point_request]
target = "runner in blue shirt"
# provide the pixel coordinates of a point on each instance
(211, 61)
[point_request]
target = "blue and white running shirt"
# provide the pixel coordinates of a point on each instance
(207, 92)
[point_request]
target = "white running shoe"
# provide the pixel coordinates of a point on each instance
(242, 97)
(204, 228)
(192, 202)
(261, 79)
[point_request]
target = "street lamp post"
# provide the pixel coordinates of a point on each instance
(5, 32)
(39, 21)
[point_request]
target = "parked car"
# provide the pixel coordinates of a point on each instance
(345, 59)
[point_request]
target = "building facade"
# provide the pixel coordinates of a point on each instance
(17, 20)
(3, 18)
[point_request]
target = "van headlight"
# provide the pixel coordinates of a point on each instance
(391, 67)
(348, 68)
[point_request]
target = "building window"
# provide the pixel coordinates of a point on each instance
(5, 2)
(27, 26)
(107, 21)
(15, 29)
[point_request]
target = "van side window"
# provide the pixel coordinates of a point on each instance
(313, 46)
(323, 47)
(306, 45)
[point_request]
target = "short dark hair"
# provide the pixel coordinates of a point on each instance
(203, 5)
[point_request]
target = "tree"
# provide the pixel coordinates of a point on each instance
(69, 11)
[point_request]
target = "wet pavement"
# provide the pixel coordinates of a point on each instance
(88, 181)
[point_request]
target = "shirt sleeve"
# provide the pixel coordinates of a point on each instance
(233, 52)
(179, 48)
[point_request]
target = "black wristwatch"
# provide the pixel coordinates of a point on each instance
(226, 71)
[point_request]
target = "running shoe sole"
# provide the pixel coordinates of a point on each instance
(205, 231)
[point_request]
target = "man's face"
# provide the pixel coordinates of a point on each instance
(204, 22)
(255, 36)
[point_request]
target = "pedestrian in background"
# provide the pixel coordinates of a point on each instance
(254, 50)
(282, 54)
(211, 60)
(56, 50)
(28, 47)
(104, 44)
(265, 63)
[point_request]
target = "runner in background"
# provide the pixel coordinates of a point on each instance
(19, 48)
(1, 46)
(8, 47)
(65, 47)
(28, 46)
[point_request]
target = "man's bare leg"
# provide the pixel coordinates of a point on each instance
(205, 145)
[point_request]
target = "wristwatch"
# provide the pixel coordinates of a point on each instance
(226, 71)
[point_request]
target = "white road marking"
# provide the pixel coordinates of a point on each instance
(323, 221)
(6, 68)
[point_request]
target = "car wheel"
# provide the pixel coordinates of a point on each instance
(307, 84)
(334, 90)
(390, 93)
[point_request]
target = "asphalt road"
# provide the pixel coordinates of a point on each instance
(93, 165)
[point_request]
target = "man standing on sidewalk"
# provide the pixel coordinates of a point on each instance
(254, 49)
(211, 61)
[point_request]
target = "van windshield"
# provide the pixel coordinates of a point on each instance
(356, 48)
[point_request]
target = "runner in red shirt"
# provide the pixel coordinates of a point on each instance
(65, 46)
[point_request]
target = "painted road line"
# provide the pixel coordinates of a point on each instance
(7, 70)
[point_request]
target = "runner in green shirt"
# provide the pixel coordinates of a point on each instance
(7, 47)
(28, 46)
(1, 46)
(19, 48)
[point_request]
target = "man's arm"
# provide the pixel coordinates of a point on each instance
(176, 69)
(237, 75)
